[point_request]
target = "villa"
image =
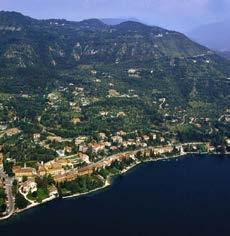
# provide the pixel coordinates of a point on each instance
(29, 186)
(20, 172)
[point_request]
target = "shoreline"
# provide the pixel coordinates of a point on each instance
(108, 182)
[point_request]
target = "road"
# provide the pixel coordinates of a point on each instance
(8, 189)
(184, 119)
(221, 117)
(163, 100)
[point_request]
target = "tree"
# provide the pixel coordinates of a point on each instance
(20, 201)
(24, 178)
(2, 205)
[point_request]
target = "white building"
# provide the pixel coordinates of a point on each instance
(29, 186)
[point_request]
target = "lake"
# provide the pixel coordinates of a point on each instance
(188, 196)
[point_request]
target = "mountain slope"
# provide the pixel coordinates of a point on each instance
(25, 41)
(33, 52)
(70, 79)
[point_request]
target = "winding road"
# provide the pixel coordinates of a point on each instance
(8, 189)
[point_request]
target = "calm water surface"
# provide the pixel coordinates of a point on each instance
(190, 196)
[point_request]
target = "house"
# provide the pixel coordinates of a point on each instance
(11, 132)
(146, 138)
(98, 147)
(93, 72)
(79, 89)
(144, 145)
(85, 171)
(104, 113)
(117, 139)
(162, 150)
(76, 121)
(113, 93)
(36, 137)
(61, 153)
(29, 186)
(41, 170)
(228, 141)
(83, 148)
(54, 139)
(3, 126)
(1, 160)
(162, 140)
(60, 178)
(68, 149)
(84, 157)
(113, 148)
(227, 118)
(132, 71)
(62, 161)
(102, 136)
(24, 171)
(108, 144)
(55, 170)
(53, 192)
(121, 133)
(52, 97)
(121, 114)
(1, 182)
(79, 140)
(69, 176)
(55, 167)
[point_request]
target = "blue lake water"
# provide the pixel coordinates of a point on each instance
(190, 196)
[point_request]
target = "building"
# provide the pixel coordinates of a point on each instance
(29, 186)
(76, 121)
(53, 192)
(154, 136)
(102, 136)
(83, 148)
(61, 153)
(41, 170)
(1, 161)
(36, 136)
(146, 138)
(54, 139)
(69, 176)
(85, 171)
(68, 149)
(132, 71)
(84, 157)
(20, 172)
(121, 133)
(98, 147)
(117, 139)
(79, 140)
(121, 114)
(162, 150)
(54, 167)
(1, 182)
(228, 141)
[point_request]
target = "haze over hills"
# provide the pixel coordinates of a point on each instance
(225, 54)
(215, 36)
(117, 21)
